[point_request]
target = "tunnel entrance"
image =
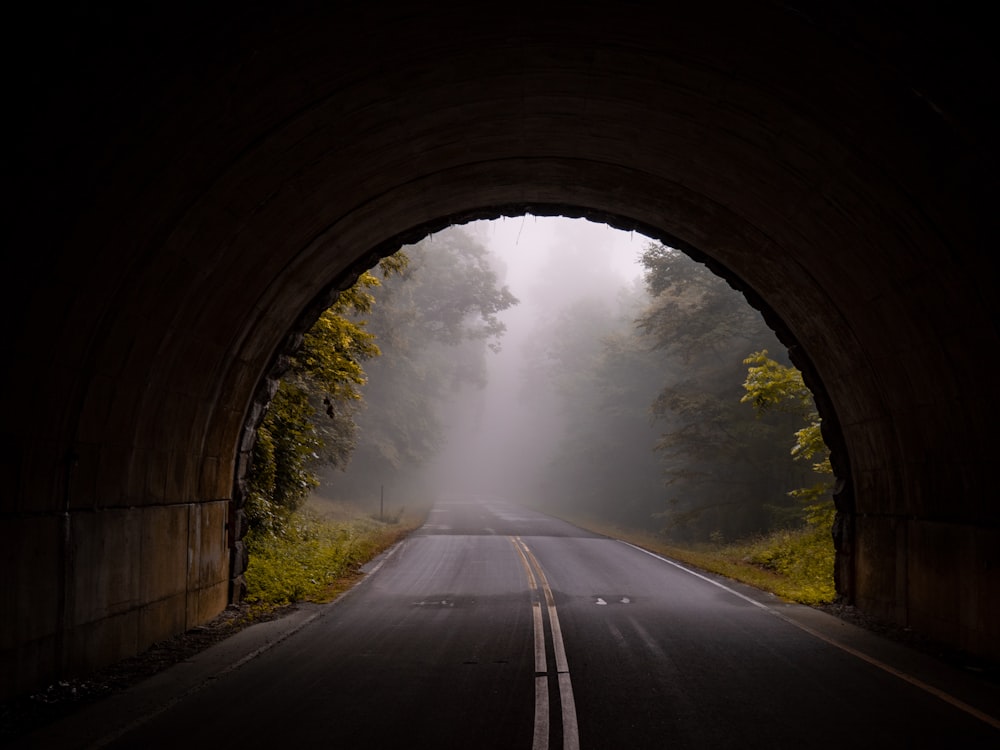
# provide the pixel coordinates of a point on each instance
(188, 187)
(557, 363)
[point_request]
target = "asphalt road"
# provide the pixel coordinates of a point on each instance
(497, 627)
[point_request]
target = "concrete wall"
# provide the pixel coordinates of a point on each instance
(939, 579)
(93, 587)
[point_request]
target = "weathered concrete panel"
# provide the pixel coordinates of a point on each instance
(208, 569)
(962, 612)
(21, 666)
(160, 620)
(164, 552)
(934, 596)
(133, 576)
(879, 578)
(96, 644)
(31, 556)
(103, 574)
(31, 559)
(208, 545)
(206, 603)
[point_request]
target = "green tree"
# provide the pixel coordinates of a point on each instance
(594, 373)
(722, 468)
(324, 378)
(435, 323)
(772, 386)
(278, 477)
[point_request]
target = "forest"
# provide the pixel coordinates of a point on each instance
(661, 404)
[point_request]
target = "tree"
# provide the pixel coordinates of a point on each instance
(596, 374)
(772, 386)
(435, 323)
(721, 467)
(324, 378)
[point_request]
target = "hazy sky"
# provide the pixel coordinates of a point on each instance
(497, 444)
(582, 250)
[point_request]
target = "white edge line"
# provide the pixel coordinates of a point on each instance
(946, 697)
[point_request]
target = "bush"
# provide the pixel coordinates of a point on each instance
(803, 557)
(795, 564)
(311, 555)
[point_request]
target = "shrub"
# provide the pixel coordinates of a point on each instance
(311, 554)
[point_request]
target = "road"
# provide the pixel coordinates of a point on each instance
(497, 627)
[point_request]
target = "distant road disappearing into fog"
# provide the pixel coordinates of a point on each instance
(494, 626)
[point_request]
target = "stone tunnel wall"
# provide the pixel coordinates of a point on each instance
(187, 187)
(95, 586)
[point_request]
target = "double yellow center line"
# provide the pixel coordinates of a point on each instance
(537, 582)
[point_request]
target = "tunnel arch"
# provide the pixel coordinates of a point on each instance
(192, 189)
(833, 437)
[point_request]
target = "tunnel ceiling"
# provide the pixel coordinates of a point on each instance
(190, 188)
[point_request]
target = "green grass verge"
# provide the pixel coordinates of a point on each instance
(317, 558)
(320, 556)
(796, 565)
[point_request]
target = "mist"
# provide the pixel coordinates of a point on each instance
(527, 359)
(500, 440)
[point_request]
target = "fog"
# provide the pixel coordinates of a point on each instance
(595, 397)
(498, 442)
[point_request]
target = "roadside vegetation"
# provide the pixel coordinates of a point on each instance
(421, 322)
(657, 415)
(794, 564)
(687, 436)
(316, 557)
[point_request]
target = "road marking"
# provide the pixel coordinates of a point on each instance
(936, 692)
(541, 733)
(571, 732)
(540, 740)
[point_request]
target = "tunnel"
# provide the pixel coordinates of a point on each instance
(186, 191)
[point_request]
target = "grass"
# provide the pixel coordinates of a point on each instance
(319, 556)
(796, 565)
